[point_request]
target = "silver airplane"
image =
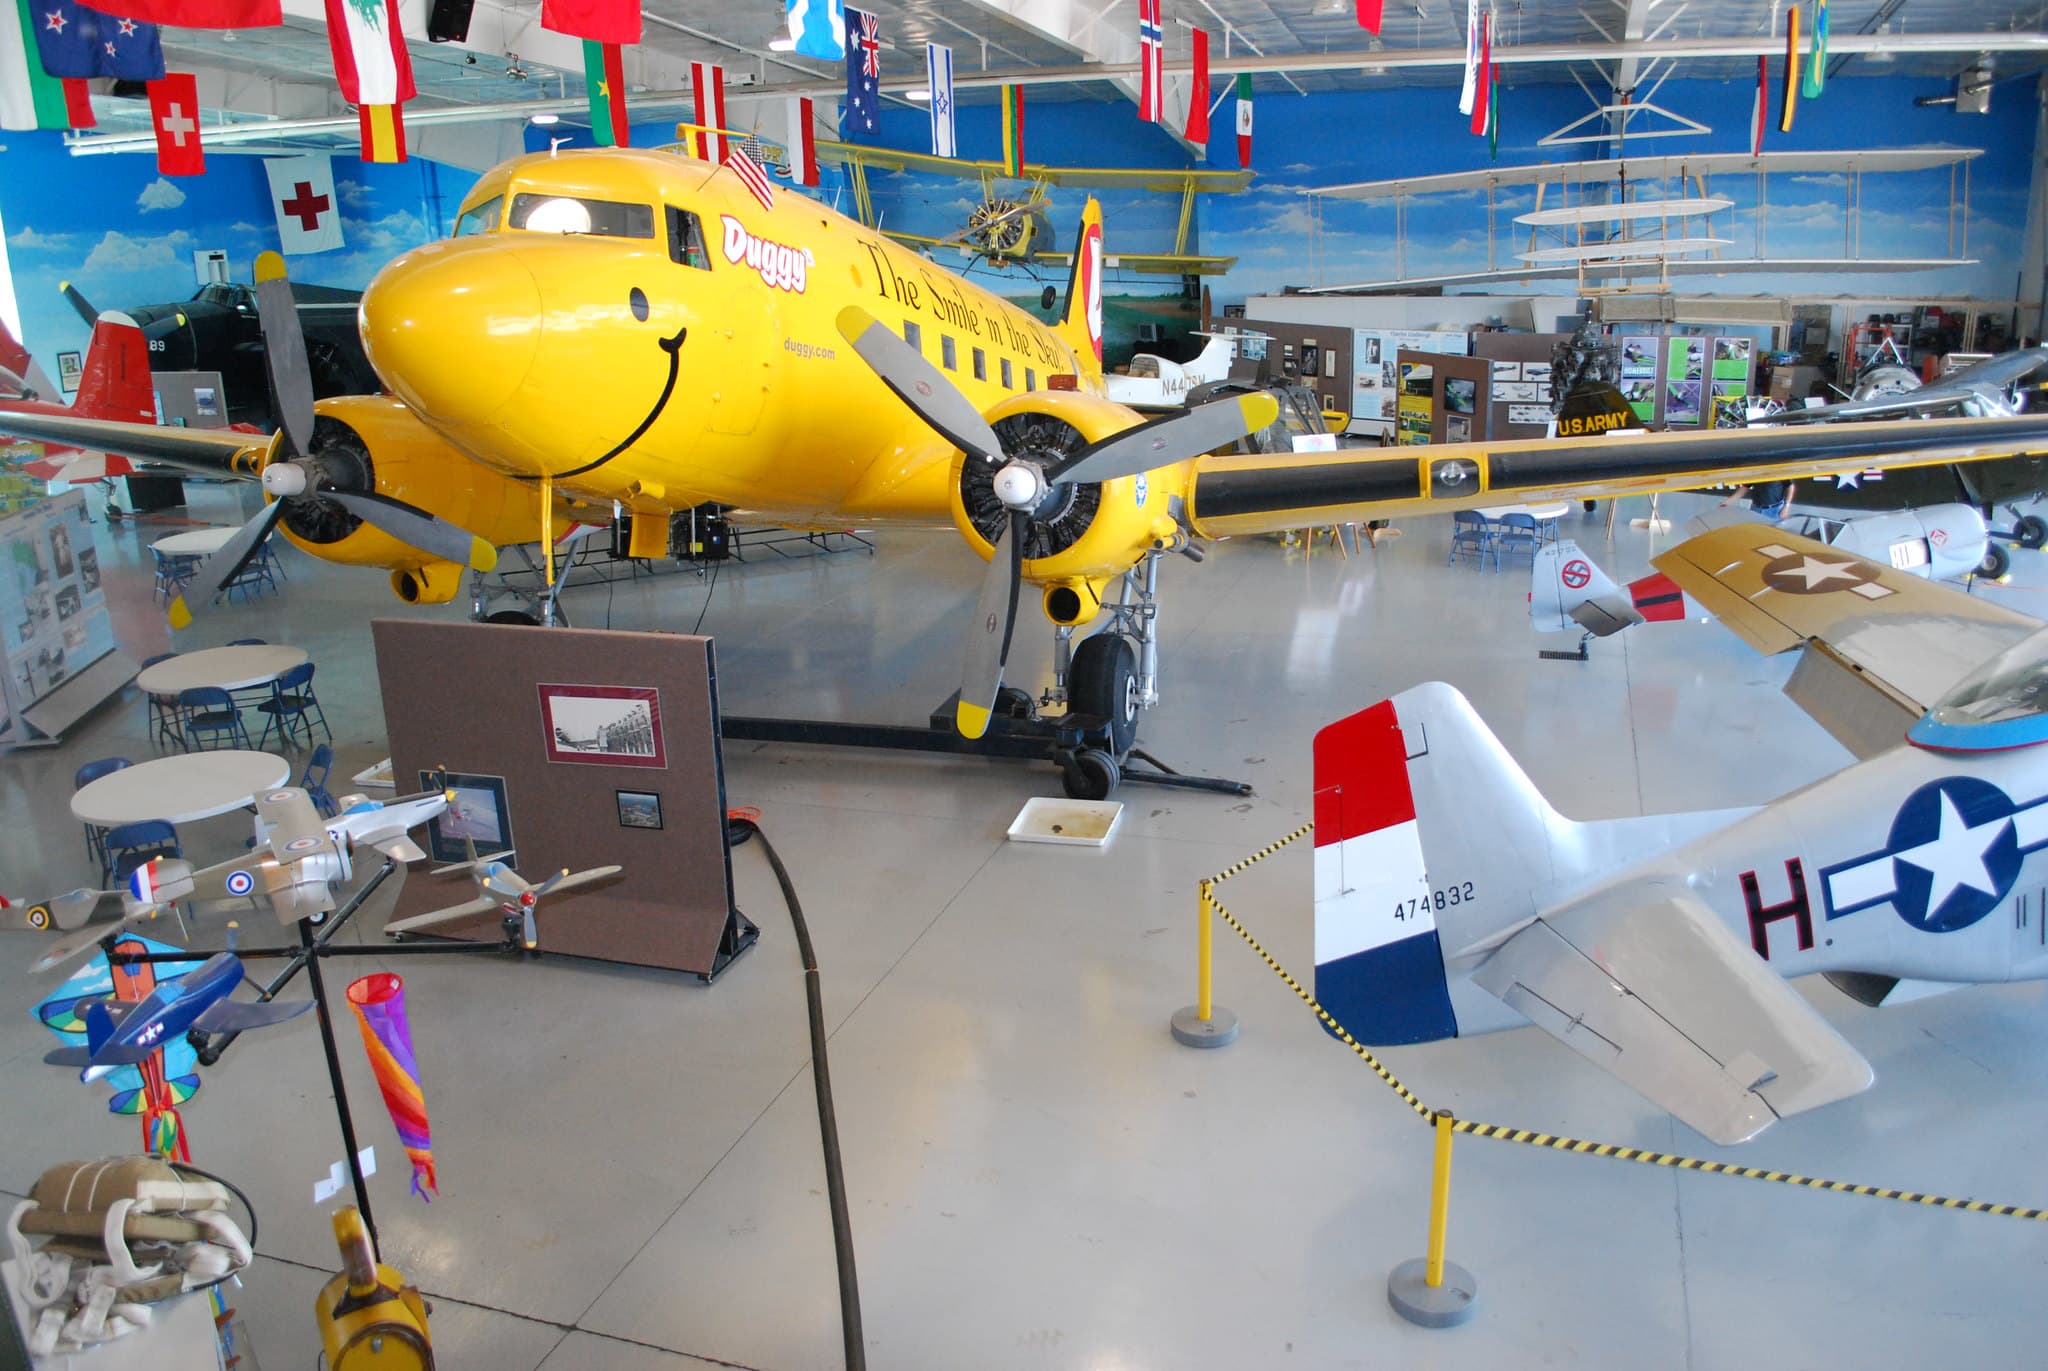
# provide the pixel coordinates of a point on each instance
(500, 888)
(1451, 899)
(1990, 387)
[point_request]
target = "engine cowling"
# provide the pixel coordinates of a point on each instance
(1091, 533)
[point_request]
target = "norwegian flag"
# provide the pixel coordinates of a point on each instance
(749, 171)
(1152, 48)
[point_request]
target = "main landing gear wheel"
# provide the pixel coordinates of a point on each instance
(1012, 703)
(1103, 681)
(512, 616)
(1997, 561)
(2031, 531)
(1090, 775)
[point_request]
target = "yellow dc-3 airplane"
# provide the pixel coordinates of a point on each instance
(638, 328)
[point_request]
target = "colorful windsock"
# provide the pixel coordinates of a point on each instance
(379, 1005)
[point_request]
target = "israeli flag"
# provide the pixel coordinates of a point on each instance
(819, 28)
(938, 62)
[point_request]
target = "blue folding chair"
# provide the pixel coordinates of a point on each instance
(173, 573)
(1517, 533)
(1471, 533)
(161, 711)
(210, 713)
(292, 705)
(130, 845)
(95, 836)
(315, 787)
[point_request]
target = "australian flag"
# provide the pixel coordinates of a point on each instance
(77, 42)
(863, 72)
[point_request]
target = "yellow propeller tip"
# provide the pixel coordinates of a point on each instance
(852, 321)
(269, 266)
(972, 720)
(482, 556)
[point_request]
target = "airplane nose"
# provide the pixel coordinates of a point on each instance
(453, 328)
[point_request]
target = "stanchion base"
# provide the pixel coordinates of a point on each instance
(1444, 1306)
(1189, 1029)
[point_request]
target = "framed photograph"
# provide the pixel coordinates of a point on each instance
(639, 809)
(70, 370)
(478, 814)
(1461, 394)
(603, 725)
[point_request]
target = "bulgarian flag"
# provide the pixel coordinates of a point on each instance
(604, 76)
(1013, 130)
(375, 71)
(1791, 101)
(1244, 118)
(30, 98)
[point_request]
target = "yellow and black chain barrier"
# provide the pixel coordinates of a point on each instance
(1556, 1142)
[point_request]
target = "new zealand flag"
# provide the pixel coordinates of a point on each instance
(77, 42)
(863, 72)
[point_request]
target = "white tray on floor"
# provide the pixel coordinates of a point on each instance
(1076, 823)
(377, 777)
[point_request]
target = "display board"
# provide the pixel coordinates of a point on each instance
(1375, 375)
(18, 489)
(53, 611)
(575, 748)
(1518, 382)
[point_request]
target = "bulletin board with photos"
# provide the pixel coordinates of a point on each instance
(53, 610)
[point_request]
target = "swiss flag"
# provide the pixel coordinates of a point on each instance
(174, 110)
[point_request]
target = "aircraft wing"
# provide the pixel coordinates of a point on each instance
(209, 452)
(234, 1016)
(1652, 987)
(1881, 645)
(65, 912)
(293, 826)
(398, 847)
(1163, 179)
(89, 936)
(596, 873)
(1989, 376)
(482, 904)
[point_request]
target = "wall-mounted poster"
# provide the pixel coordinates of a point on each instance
(1638, 356)
(1681, 402)
(1529, 414)
(1461, 395)
(1457, 428)
(1417, 404)
(1684, 371)
(1375, 387)
(1641, 394)
(1731, 359)
(478, 813)
(1687, 361)
(53, 612)
(1506, 371)
(639, 809)
(602, 725)
(1731, 402)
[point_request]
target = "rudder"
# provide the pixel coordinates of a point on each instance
(1081, 326)
(115, 383)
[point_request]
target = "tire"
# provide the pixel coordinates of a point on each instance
(1997, 561)
(512, 616)
(2031, 531)
(1103, 681)
(1091, 775)
(1012, 703)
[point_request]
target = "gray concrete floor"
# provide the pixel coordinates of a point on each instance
(1039, 1176)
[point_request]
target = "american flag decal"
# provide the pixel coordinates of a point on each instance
(749, 171)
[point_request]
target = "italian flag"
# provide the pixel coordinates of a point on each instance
(31, 98)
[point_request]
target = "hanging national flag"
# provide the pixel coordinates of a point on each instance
(1484, 101)
(1244, 118)
(374, 69)
(601, 21)
(604, 78)
(938, 66)
(1468, 95)
(1763, 103)
(1152, 57)
(707, 92)
(174, 109)
(863, 72)
(30, 98)
(207, 14)
(803, 142)
(381, 129)
(749, 171)
(1817, 55)
(75, 42)
(819, 28)
(302, 194)
(1013, 130)
(1369, 15)
(1791, 100)
(1197, 130)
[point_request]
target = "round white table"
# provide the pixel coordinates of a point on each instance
(198, 542)
(1540, 513)
(230, 668)
(195, 785)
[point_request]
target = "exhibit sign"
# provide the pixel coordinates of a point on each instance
(1417, 410)
(1732, 357)
(1685, 381)
(1375, 383)
(53, 612)
(1639, 375)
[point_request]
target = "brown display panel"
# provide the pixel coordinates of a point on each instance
(467, 698)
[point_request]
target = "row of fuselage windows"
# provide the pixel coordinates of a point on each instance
(949, 358)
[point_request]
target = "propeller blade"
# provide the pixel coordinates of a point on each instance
(203, 451)
(995, 619)
(1168, 439)
(223, 566)
(528, 933)
(284, 353)
(430, 533)
(79, 303)
(550, 883)
(919, 384)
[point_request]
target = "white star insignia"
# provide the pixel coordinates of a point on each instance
(1815, 572)
(1954, 858)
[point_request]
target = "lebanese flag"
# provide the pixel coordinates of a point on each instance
(1369, 15)
(604, 76)
(206, 14)
(1198, 91)
(1763, 103)
(803, 143)
(1244, 119)
(1483, 97)
(174, 110)
(707, 91)
(600, 21)
(370, 57)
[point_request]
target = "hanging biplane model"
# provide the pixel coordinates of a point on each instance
(639, 329)
(1452, 900)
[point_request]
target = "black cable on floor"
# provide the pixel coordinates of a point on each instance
(738, 829)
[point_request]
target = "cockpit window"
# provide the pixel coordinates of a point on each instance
(482, 219)
(542, 213)
(686, 239)
(2011, 686)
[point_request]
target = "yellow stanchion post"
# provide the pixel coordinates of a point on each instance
(1429, 1290)
(1202, 1024)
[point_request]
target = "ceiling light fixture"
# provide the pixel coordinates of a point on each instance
(922, 97)
(545, 119)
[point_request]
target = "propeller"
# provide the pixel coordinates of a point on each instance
(155, 330)
(1027, 485)
(993, 225)
(294, 470)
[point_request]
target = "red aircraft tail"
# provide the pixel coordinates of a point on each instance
(14, 357)
(116, 383)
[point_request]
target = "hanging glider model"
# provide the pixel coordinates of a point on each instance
(1452, 900)
(636, 328)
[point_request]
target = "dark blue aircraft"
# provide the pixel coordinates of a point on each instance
(122, 1033)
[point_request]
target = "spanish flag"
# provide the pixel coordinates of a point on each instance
(383, 132)
(604, 76)
(1013, 130)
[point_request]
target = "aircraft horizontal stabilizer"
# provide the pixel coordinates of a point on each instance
(1669, 1001)
(420, 922)
(399, 848)
(234, 1016)
(68, 1056)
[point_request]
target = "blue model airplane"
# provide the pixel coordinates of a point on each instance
(122, 1033)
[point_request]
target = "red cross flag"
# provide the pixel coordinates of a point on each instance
(174, 109)
(302, 195)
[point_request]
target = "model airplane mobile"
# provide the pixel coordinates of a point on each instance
(122, 1033)
(501, 888)
(635, 326)
(1452, 900)
(301, 859)
(114, 385)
